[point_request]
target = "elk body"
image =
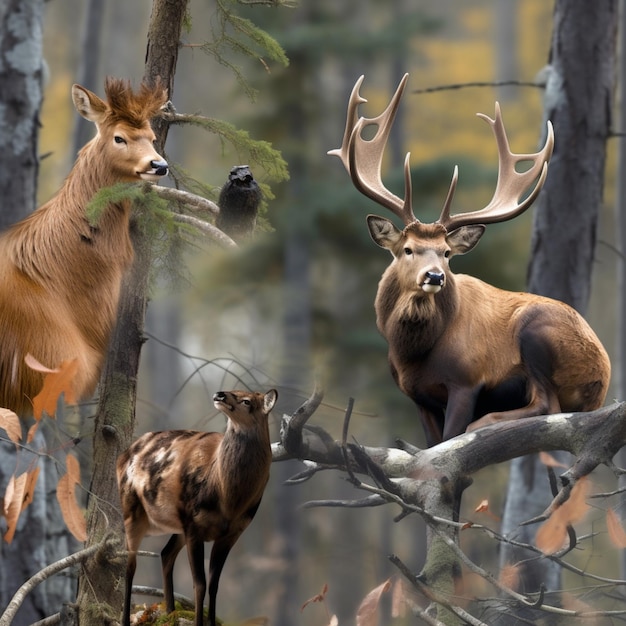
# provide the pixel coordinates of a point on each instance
(198, 486)
(469, 354)
(60, 275)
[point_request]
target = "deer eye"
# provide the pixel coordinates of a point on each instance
(408, 251)
(446, 254)
(246, 402)
(119, 139)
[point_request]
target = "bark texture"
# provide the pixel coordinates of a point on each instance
(21, 77)
(101, 592)
(578, 101)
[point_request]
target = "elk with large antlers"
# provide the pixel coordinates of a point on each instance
(469, 354)
(60, 274)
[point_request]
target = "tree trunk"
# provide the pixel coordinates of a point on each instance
(100, 593)
(41, 537)
(21, 73)
(578, 100)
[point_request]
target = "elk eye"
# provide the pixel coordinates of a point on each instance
(447, 254)
(119, 139)
(245, 402)
(408, 251)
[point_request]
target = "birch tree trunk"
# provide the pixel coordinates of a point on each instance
(578, 100)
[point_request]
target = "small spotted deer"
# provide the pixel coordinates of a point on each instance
(198, 486)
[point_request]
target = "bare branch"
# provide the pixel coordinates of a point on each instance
(109, 543)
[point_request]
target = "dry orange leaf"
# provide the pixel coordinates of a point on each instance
(320, 597)
(398, 599)
(11, 423)
(615, 528)
(509, 576)
(56, 382)
(552, 534)
(483, 506)
(29, 487)
(549, 461)
(367, 615)
(13, 499)
(72, 513)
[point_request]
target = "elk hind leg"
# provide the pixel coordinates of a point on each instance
(168, 558)
(131, 566)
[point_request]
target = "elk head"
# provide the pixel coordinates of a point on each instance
(423, 250)
(125, 138)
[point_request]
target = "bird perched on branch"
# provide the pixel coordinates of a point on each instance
(239, 204)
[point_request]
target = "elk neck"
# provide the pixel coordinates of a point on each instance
(243, 462)
(411, 321)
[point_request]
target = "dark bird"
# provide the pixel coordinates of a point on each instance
(239, 204)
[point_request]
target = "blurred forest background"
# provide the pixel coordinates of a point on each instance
(296, 304)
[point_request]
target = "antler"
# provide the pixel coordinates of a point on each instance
(511, 184)
(362, 158)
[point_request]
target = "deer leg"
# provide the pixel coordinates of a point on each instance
(131, 566)
(219, 552)
(195, 552)
(168, 558)
(460, 411)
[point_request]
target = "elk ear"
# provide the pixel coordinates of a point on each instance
(383, 231)
(88, 104)
(463, 239)
(269, 400)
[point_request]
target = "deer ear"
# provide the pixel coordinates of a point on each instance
(383, 231)
(88, 104)
(269, 400)
(463, 239)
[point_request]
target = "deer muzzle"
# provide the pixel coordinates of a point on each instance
(158, 169)
(433, 281)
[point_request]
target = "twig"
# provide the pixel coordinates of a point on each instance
(500, 83)
(44, 574)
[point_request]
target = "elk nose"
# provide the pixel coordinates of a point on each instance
(159, 167)
(220, 396)
(433, 281)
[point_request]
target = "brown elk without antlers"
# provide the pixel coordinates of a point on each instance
(60, 275)
(200, 487)
(469, 354)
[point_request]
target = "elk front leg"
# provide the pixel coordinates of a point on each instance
(460, 410)
(219, 553)
(168, 558)
(195, 551)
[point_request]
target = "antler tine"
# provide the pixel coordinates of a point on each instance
(511, 184)
(362, 158)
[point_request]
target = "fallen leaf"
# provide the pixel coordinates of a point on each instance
(552, 534)
(509, 576)
(13, 499)
(320, 597)
(11, 423)
(549, 461)
(56, 382)
(615, 528)
(483, 506)
(367, 615)
(398, 599)
(72, 514)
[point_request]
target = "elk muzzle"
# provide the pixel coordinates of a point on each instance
(433, 281)
(158, 168)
